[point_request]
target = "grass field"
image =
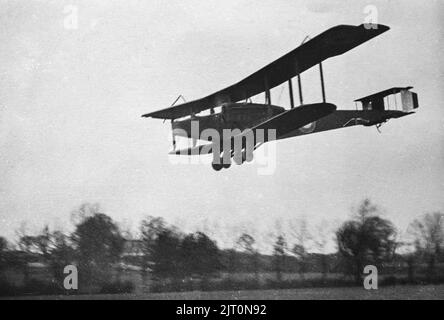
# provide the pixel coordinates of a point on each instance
(435, 292)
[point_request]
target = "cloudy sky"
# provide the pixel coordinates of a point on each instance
(72, 92)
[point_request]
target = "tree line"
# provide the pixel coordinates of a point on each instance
(165, 254)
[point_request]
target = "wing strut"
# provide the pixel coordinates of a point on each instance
(301, 100)
(174, 136)
(322, 81)
(267, 92)
(172, 120)
(290, 90)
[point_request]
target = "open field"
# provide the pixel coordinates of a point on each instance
(435, 292)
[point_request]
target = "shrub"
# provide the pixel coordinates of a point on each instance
(40, 287)
(32, 287)
(312, 283)
(7, 289)
(117, 287)
(231, 284)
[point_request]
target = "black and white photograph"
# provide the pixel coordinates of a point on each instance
(240, 151)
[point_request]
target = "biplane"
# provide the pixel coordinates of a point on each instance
(237, 111)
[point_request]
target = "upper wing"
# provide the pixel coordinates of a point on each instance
(333, 42)
(283, 123)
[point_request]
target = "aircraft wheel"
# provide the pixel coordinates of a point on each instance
(216, 166)
(226, 166)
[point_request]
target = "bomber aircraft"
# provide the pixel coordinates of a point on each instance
(252, 124)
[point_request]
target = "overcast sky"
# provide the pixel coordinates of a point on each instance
(71, 100)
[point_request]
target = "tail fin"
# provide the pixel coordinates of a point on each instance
(378, 101)
(409, 100)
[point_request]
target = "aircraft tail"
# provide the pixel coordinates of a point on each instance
(391, 99)
(409, 100)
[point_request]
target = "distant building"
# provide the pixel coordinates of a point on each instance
(132, 248)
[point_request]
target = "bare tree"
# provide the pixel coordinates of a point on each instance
(84, 211)
(61, 254)
(3, 253)
(323, 235)
(300, 249)
(52, 246)
(409, 256)
(279, 252)
(429, 238)
(150, 229)
(247, 243)
(25, 244)
(43, 242)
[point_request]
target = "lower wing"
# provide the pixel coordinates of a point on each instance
(283, 124)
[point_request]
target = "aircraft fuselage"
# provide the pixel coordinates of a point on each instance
(247, 115)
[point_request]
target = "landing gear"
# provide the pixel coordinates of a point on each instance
(220, 166)
(239, 158)
(226, 165)
(217, 166)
